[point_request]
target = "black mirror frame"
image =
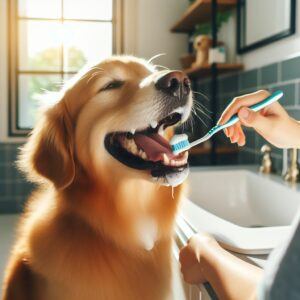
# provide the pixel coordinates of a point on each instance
(240, 30)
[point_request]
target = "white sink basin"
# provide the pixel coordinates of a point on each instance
(246, 211)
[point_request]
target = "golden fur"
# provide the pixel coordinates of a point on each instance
(77, 239)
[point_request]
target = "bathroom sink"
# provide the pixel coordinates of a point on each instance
(246, 211)
(243, 197)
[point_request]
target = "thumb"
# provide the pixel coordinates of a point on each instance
(250, 118)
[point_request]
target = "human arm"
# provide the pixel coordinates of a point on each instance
(204, 260)
(273, 122)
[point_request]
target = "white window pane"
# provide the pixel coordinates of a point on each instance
(40, 8)
(86, 42)
(31, 92)
(88, 9)
(40, 45)
(68, 77)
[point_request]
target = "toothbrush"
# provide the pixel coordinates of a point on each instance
(180, 142)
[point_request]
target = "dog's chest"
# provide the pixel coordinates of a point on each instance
(146, 231)
(117, 275)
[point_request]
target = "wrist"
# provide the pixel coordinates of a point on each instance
(221, 269)
(211, 253)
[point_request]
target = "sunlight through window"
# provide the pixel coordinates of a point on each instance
(53, 40)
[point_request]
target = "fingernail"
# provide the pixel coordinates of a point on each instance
(244, 113)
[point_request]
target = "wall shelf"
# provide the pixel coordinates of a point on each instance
(199, 12)
(205, 71)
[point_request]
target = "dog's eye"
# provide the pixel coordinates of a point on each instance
(113, 85)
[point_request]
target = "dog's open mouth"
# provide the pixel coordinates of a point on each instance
(148, 149)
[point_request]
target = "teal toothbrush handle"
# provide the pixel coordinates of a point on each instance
(256, 107)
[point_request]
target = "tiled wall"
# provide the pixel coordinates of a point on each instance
(14, 189)
(284, 75)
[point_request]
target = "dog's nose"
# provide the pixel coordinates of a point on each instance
(173, 82)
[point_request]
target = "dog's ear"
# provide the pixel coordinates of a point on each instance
(49, 152)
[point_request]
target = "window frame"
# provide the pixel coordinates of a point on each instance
(13, 51)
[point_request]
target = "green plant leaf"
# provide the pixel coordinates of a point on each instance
(205, 28)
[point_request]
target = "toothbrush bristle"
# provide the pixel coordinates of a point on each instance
(179, 143)
(180, 146)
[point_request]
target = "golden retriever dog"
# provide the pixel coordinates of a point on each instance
(100, 224)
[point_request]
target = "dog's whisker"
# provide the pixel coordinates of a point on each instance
(161, 66)
(196, 114)
(203, 113)
(198, 107)
(191, 124)
(155, 56)
(201, 94)
(201, 120)
(200, 104)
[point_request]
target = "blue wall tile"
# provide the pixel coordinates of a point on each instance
(230, 84)
(250, 138)
(294, 113)
(269, 74)
(14, 189)
(2, 172)
(277, 164)
(290, 69)
(248, 79)
(246, 157)
(3, 153)
(3, 189)
(9, 206)
(289, 91)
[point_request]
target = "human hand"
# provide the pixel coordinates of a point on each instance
(273, 122)
(192, 258)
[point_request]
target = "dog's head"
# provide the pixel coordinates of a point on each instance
(112, 122)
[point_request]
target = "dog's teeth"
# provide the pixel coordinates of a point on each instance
(161, 130)
(129, 143)
(132, 131)
(131, 146)
(166, 159)
(173, 162)
(153, 124)
(144, 156)
(134, 149)
(141, 153)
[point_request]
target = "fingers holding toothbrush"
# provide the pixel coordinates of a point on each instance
(239, 136)
(235, 132)
(272, 122)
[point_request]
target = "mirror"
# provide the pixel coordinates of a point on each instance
(261, 22)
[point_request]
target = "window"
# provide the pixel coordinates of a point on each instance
(50, 40)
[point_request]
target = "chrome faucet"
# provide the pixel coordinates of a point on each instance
(292, 172)
(266, 163)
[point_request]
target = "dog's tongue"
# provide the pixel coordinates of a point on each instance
(154, 145)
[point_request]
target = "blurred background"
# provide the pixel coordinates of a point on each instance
(226, 47)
